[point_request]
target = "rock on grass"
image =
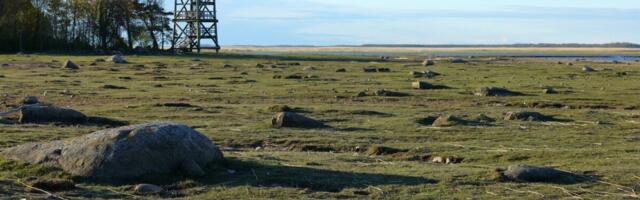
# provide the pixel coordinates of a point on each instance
(496, 91)
(293, 120)
(376, 150)
(524, 173)
(527, 116)
(69, 65)
(52, 185)
(50, 114)
(126, 153)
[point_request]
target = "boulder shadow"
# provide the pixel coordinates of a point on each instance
(255, 174)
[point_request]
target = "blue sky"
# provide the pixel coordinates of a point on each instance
(333, 22)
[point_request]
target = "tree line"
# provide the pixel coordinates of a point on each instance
(71, 25)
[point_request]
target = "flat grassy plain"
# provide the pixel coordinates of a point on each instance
(599, 134)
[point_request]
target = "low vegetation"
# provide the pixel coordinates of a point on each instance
(374, 145)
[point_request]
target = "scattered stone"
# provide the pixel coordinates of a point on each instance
(341, 70)
(177, 105)
(376, 150)
(309, 68)
(244, 73)
(448, 120)
(50, 114)
(126, 153)
(427, 121)
(422, 85)
(570, 64)
(527, 116)
(425, 74)
(5, 64)
(428, 62)
(280, 108)
(69, 65)
(124, 78)
(277, 76)
(118, 59)
(361, 94)
(293, 120)
(52, 185)
(114, 87)
(295, 76)
(526, 173)
(370, 69)
(259, 65)
(28, 100)
(495, 91)
(195, 59)
(384, 70)
(588, 69)
(387, 93)
(620, 74)
(147, 189)
(446, 160)
(458, 61)
(549, 90)
(99, 60)
(227, 66)
(484, 118)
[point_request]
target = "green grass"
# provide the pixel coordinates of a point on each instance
(234, 113)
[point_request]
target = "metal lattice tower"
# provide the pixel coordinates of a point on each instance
(194, 21)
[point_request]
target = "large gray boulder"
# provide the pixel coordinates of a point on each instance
(125, 153)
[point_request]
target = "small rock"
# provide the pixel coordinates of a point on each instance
(295, 76)
(448, 120)
(484, 118)
(421, 85)
(428, 62)
(147, 189)
(114, 87)
(376, 150)
(53, 185)
(28, 100)
(309, 68)
(118, 59)
(549, 91)
(195, 59)
(384, 70)
(293, 120)
(69, 65)
(458, 61)
(495, 91)
(341, 70)
(387, 93)
(227, 66)
(369, 69)
(588, 69)
(99, 60)
(539, 174)
(361, 94)
(527, 116)
(259, 65)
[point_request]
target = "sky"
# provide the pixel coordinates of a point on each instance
(355, 22)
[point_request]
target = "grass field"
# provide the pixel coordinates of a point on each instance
(599, 133)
